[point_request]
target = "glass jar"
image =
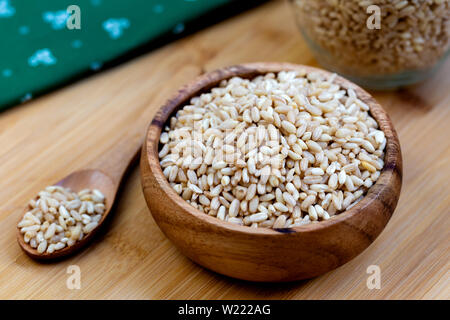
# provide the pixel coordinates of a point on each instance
(380, 44)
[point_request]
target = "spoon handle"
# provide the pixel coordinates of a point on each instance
(120, 156)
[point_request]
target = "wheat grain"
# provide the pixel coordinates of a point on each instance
(276, 151)
(59, 217)
(413, 35)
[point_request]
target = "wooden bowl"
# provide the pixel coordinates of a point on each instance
(267, 254)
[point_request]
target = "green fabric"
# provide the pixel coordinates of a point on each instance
(38, 51)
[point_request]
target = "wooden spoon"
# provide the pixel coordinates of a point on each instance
(104, 174)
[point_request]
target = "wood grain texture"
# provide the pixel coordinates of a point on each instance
(54, 135)
(264, 254)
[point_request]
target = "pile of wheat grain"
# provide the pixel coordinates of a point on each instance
(414, 34)
(276, 151)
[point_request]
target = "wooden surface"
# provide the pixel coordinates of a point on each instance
(260, 254)
(48, 138)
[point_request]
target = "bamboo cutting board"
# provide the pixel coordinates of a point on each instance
(60, 132)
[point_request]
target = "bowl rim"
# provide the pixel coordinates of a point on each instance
(208, 80)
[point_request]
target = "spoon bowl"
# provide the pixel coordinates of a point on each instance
(77, 181)
(259, 254)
